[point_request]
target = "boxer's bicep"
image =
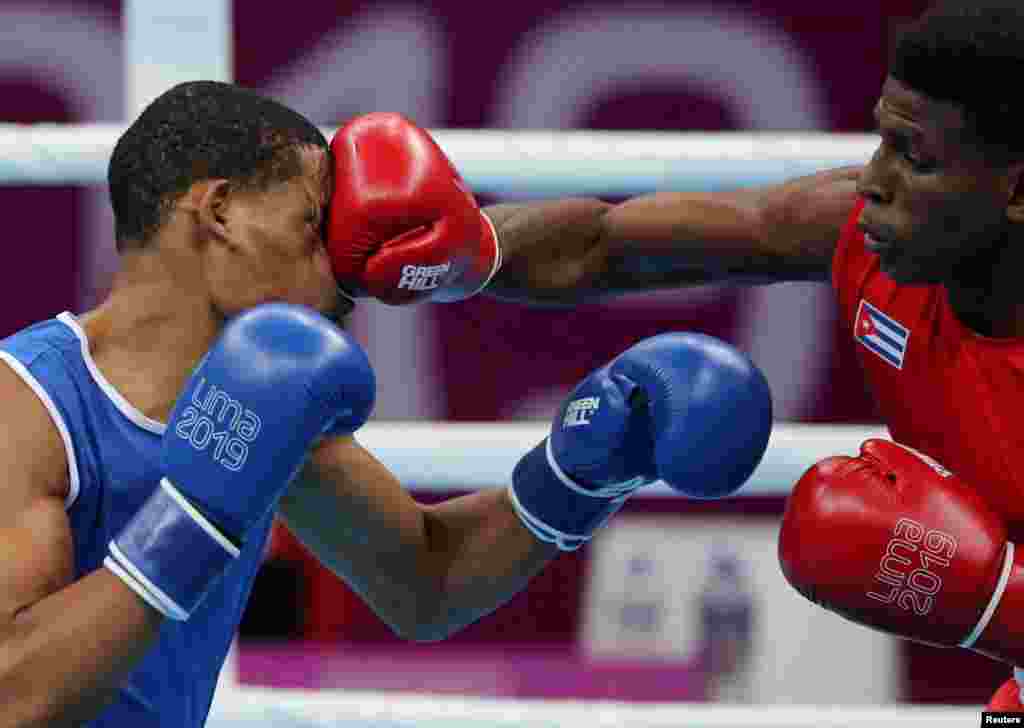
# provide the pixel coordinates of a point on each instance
(802, 220)
(36, 553)
(36, 545)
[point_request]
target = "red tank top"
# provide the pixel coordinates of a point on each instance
(940, 387)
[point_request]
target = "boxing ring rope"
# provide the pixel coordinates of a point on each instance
(530, 163)
(430, 456)
(337, 709)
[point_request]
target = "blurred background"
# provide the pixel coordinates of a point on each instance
(676, 600)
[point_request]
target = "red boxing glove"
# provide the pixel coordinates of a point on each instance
(894, 541)
(1007, 698)
(402, 227)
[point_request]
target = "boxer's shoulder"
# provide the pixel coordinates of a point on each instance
(33, 457)
(57, 335)
(39, 382)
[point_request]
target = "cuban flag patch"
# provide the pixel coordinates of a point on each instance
(883, 335)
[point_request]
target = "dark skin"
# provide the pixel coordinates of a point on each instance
(944, 210)
(947, 212)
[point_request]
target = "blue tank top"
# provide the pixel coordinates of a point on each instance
(113, 453)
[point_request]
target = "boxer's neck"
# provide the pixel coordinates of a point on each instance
(150, 332)
(987, 296)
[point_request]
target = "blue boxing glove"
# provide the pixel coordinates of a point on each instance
(684, 408)
(277, 379)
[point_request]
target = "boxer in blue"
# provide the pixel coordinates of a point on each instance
(148, 443)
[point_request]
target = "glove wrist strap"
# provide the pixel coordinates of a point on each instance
(554, 507)
(993, 602)
(496, 265)
(169, 553)
(457, 289)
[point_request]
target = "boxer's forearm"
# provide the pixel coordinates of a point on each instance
(488, 555)
(425, 570)
(65, 657)
(573, 250)
(579, 250)
(552, 252)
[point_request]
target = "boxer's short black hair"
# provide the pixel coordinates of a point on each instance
(971, 53)
(194, 131)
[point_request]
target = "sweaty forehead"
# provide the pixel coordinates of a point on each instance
(901, 103)
(317, 172)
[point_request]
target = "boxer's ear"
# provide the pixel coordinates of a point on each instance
(213, 208)
(1015, 203)
(207, 203)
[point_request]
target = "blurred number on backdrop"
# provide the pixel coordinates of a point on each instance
(688, 65)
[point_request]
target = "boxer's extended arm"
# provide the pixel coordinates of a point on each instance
(64, 647)
(567, 251)
(426, 570)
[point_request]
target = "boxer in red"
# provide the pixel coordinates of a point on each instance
(924, 246)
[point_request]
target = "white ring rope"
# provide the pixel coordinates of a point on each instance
(343, 709)
(438, 456)
(505, 162)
